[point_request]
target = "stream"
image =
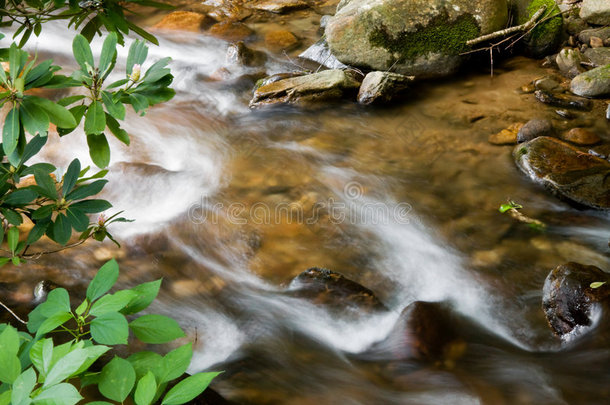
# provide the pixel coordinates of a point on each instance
(230, 204)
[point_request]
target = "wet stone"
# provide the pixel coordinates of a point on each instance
(567, 296)
(548, 84)
(281, 40)
(563, 101)
(602, 33)
(533, 129)
(239, 54)
(594, 83)
(379, 87)
(184, 21)
(598, 56)
(569, 61)
(230, 31)
(507, 136)
(280, 6)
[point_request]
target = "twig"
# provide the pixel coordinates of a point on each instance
(519, 28)
(12, 313)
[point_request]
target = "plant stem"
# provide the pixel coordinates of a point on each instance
(12, 313)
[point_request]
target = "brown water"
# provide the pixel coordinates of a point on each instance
(231, 204)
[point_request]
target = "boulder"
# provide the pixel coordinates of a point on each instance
(379, 87)
(333, 291)
(595, 12)
(183, 21)
(279, 6)
(568, 299)
(594, 83)
(230, 30)
(533, 129)
(239, 54)
(321, 86)
(569, 173)
(423, 38)
(598, 56)
(569, 61)
(546, 37)
(586, 35)
(320, 53)
(280, 40)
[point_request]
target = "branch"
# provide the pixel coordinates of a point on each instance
(519, 28)
(12, 313)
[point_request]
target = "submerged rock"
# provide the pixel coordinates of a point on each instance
(595, 12)
(568, 299)
(566, 171)
(581, 136)
(546, 37)
(382, 87)
(321, 86)
(562, 100)
(320, 53)
(413, 37)
(507, 136)
(333, 290)
(594, 83)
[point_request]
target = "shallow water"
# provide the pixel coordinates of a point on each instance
(230, 204)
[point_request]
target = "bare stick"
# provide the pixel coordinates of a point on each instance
(519, 28)
(12, 313)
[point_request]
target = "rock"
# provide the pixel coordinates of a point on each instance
(382, 87)
(595, 12)
(333, 290)
(562, 100)
(230, 31)
(279, 6)
(565, 114)
(325, 85)
(586, 35)
(566, 171)
(548, 84)
(239, 54)
(412, 37)
(574, 25)
(596, 42)
(598, 56)
(507, 136)
(569, 60)
(581, 136)
(280, 40)
(594, 83)
(568, 299)
(546, 37)
(183, 21)
(608, 112)
(277, 77)
(533, 129)
(320, 53)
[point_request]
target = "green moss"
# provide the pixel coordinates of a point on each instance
(441, 35)
(547, 33)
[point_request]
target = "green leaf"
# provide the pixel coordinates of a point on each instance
(108, 52)
(110, 328)
(23, 386)
(92, 206)
(12, 238)
(93, 353)
(35, 319)
(62, 229)
(82, 52)
(11, 367)
(117, 379)
(53, 322)
(138, 102)
(597, 284)
(95, 119)
(35, 120)
(138, 51)
(20, 197)
(146, 361)
(145, 294)
(103, 281)
(45, 185)
(145, 390)
(65, 367)
(41, 354)
(116, 129)
(9, 340)
(5, 397)
(87, 190)
(57, 114)
(189, 388)
(154, 328)
(37, 231)
(116, 110)
(11, 216)
(10, 131)
(147, 36)
(33, 147)
(66, 101)
(60, 394)
(99, 150)
(82, 307)
(58, 300)
(112, 303)
(178, 360)
(77, 219)
(70, 177)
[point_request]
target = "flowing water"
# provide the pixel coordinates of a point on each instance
(230, 204)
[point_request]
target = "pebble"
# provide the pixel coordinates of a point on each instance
(581, 136)
(533, 129)
(507, 136)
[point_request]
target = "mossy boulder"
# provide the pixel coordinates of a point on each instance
(423, 38)
(546, 37)
(594, 83)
